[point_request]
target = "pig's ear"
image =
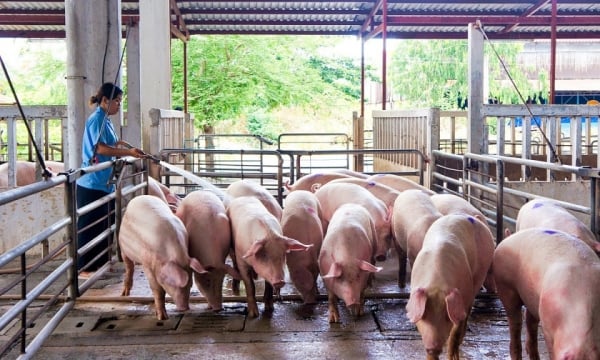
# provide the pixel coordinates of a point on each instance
(197, 267)
(415, 308)
(335, 271)
(295, 245)
(256, 246)
(367, 266)
(172, 274)
(455, 306)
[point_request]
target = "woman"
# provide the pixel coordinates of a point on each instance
(100, 143)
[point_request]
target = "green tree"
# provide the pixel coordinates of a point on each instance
(435, 73)
(39, 77)
(234, 76)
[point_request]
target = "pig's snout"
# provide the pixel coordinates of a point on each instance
(433, 354)
(278, 284)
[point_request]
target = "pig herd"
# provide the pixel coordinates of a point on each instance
(337, 225)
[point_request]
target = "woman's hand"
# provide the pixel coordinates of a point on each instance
(135, 152)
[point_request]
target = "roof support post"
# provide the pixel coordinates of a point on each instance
(93, 33)
(475, 130)
(155, 61)
(132, 132)
(384, 10)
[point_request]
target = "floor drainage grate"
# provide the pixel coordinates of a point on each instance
(138, 323)
(212, 322)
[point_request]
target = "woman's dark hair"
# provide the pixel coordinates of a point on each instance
(107, 90)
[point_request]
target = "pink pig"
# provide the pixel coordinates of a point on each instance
(306, 182)
(346, 258)
(397, 182)
(207, 224)
(250, 188)
(381, 191)
(260, 248)
(161, 191)
(447, 275)
(550, 215)
(412, 215)
(557, 278)
(153, 236)
(454, 204)
(333, 195)
(301, 220)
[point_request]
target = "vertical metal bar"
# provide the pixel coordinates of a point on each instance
(23, 297)
(526, 147)
(71, 209)
(500, 135)
(553, 52)
(499, 200)
(465, 188)
(594, 206)
(384, 10)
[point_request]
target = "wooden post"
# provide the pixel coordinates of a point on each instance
(358, 127)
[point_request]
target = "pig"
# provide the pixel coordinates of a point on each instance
(161, 191)
(346, 258)
(26, 172)
(412, 215)
(301, 220)
(332, 196)
(306, 182)
(352, 173)
(207, 224)
(250, 188)
(454, 204)
(448, 272)
(151, 235)
(382, 192)
(557, 278)
(397, 182)
(546, 213)
(260, 248)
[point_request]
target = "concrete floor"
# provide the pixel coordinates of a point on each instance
(129, 330)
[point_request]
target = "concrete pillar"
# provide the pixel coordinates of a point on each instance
(132, 129)
(93, 33)
(475, 130)
(155, 61)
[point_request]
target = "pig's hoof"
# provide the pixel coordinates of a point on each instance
(334, 318)
(252, 312)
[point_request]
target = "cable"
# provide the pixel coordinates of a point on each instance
(112, 93)
(554, 155)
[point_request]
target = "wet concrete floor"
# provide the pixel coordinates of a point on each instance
(105, 326)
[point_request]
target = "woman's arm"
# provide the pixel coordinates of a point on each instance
(107, 150)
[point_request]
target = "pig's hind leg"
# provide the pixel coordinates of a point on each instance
(531, 344)
(128, 279)
(512, 304)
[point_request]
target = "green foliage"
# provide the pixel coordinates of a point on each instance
(260, 123)
(229, 76)
(39, 75)
(342, 73)
(435, 73)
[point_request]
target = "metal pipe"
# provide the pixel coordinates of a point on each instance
(46, 331)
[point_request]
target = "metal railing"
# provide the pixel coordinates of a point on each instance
(20, 266)
(481, 180)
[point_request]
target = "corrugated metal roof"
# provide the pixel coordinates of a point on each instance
(425, 19)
